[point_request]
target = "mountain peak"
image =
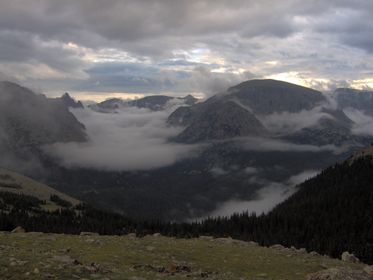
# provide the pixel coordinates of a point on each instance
(70, 102)
(269, 96)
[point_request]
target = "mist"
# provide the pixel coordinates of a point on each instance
(286, 122)
(266, 198)
(363, 122)
(130, 139)
(267, 144)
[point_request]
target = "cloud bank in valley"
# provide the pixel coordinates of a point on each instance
(363, 123)
(266, 198)
(131, 139)
(267, 145)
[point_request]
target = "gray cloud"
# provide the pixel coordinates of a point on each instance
(227, 38)
(132, 139)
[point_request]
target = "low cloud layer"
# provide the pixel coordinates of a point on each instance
(131, 139)
(363, 122)
(267, 145)
(266, 198)
(286, 122)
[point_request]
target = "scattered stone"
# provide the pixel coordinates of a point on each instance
(88, 233)
(131, 235)
(278, 247)
(302, 250)
(340, 273)
(205, 237)
(314, 253)
(369, 269)
(36, 271)
(150, 248)
(157, 234)
(18, 230)
(227, 240)
(65, 259)
(92, 268)
(347, 257)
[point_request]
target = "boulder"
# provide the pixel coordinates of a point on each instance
(277, 247)
(347, 257)
(302, 250)
(339, 273)
(18, 230)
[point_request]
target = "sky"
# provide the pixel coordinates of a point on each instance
(96, 49)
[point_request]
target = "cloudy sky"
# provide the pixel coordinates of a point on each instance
(95, 49)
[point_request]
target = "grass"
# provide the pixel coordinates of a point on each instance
(51, 256)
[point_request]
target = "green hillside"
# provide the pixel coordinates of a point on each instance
(18, 184)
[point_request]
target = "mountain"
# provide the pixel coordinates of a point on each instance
(70, 102)
(356, 99)
(29, 120)
(268, 96)
(153, 102)
(221, 121)
(243, 110)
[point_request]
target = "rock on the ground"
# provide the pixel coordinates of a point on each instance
(369, 269)
(347, 257)
(18, 230)
(339, 273)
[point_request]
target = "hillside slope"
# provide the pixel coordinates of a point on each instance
(126, 257)
(19, 184)
(330, 213)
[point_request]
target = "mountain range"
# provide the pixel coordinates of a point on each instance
(260, 134)
(154, 103)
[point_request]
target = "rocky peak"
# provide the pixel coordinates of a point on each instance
(70, 102)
